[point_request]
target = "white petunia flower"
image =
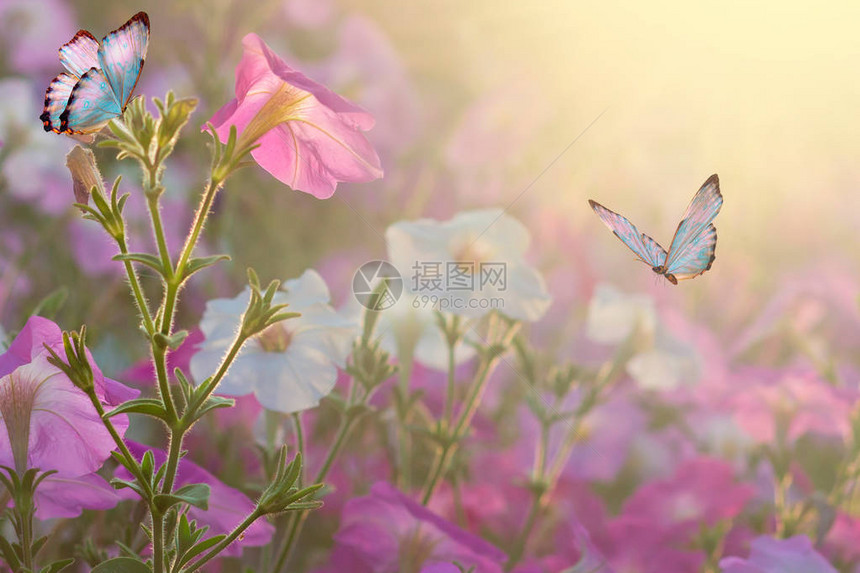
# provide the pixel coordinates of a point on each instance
(666, 363)
(291, 365)
(468, 265)
(613, 315)
(669, 365)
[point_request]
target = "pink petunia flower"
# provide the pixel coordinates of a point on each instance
(60, 496)
(841, 540)
(387, 531)
(702, 491)
(768, 555)
(51, 424)
(309, 137)
(795, 401)
(637, 546)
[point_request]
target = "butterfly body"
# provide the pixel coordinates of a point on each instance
(99, 80)
(692, 251)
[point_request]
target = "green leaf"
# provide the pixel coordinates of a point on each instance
(213, 403)
(176, 339)
(121, 565)
(173, 341)
(304, 505)
(52, 303)
(37, 545)
(200, 263)
(147, 463)
(9, 554)
(200, 548)
(196, 494)
(144, 259)
(147, 406)
(57, 566)
(117, 483)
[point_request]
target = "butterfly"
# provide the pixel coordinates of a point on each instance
(100, 78)
(691, 252)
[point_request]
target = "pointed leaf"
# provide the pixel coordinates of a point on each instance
(213, 403)
(200, 263)
(142, 258)
(9, 554)
(37, 545)
(200, 548)
(121, 565)
(57, 566)
(148, 406)
(196, 494)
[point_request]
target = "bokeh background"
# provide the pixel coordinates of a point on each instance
(474, 101)
(534, 107)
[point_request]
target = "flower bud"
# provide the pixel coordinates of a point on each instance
(85, 173)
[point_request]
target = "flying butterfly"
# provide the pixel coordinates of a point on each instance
(691, 252)
(100, 78)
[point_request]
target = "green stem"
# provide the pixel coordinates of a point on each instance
(403, 466)
(339, 441)
(448, 416)
(137, 291)
(212, 384)
(519, 547)
(157, 541)
(297, 521)
(294, 528)
(158, 231)
(564, 452)
(120, 444)
(199, 221)
(26, 525)
(173, 454)
(539, 497)
(159, 360)
(473, 400)
(224, 543)
(300, 441)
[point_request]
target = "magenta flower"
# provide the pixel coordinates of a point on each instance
(51, 424)
(841, 540)
(637, 546)
(768, 555)
(227, 506)
(795, 402)
(30, 343)
(702, 491)
(387, 531)
(59, 496)
(309, 137)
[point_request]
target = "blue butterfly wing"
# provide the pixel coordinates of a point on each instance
(56, 98)
(121, 56)
(80, 53)
(696, 257)
(646, 248)
(91, 106)
(692, 250)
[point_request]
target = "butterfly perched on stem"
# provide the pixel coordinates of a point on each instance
(691, 252)
(100, 78)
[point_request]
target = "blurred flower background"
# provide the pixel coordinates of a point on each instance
(710, 426)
